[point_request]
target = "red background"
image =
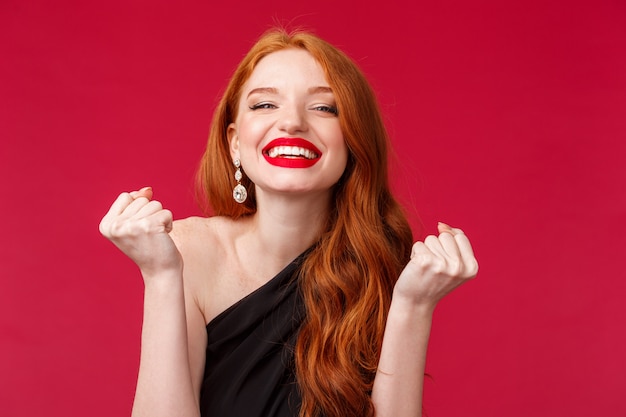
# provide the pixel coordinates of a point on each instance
(508, 118)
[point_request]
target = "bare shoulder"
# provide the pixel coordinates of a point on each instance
(201, 240)
(187, 232)
(206, 248)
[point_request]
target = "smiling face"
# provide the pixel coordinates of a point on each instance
(287, 133)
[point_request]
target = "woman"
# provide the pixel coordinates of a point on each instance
(303, 294)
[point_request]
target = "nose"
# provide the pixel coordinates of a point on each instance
(292, 120)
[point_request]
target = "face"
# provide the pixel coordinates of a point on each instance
(287, 133)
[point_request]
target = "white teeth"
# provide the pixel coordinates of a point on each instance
(291, 151)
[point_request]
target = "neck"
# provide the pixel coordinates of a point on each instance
(286, 225)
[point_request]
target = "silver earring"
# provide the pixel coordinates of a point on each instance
(239, 192)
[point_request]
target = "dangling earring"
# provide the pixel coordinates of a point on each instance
(239, 192)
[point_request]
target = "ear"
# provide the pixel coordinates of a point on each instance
(233, 140)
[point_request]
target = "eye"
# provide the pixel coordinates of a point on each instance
(327, 109)
(262, 106)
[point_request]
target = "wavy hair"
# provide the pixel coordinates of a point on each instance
(348, 278)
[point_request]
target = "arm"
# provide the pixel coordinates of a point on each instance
(172, 340)
(437, 266)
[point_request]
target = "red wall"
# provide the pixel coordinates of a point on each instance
(509, 120)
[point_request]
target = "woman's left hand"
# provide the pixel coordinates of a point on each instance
(438, 265)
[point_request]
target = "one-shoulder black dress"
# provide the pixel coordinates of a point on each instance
(249, 360)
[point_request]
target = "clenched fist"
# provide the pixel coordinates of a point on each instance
(438, 265)
(139, 227)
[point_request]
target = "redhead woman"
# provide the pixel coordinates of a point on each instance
(303, 293)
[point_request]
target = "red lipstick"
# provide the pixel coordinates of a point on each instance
(291, 159)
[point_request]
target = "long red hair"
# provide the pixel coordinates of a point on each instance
(348, 278)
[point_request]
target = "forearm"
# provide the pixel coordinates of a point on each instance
(164, 386)
(399, 382)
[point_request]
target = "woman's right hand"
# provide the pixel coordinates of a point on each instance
(139, 227)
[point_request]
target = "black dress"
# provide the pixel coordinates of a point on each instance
(249, 360)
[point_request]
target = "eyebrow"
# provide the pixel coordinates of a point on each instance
(260, 90)
(272, 90)
(315, 90)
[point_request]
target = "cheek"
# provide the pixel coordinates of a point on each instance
(251, 134)
(341, 152)
(339, 143)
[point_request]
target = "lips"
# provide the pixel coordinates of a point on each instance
(291, 153)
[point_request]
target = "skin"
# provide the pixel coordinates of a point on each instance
(287, 95)
(195, 268)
